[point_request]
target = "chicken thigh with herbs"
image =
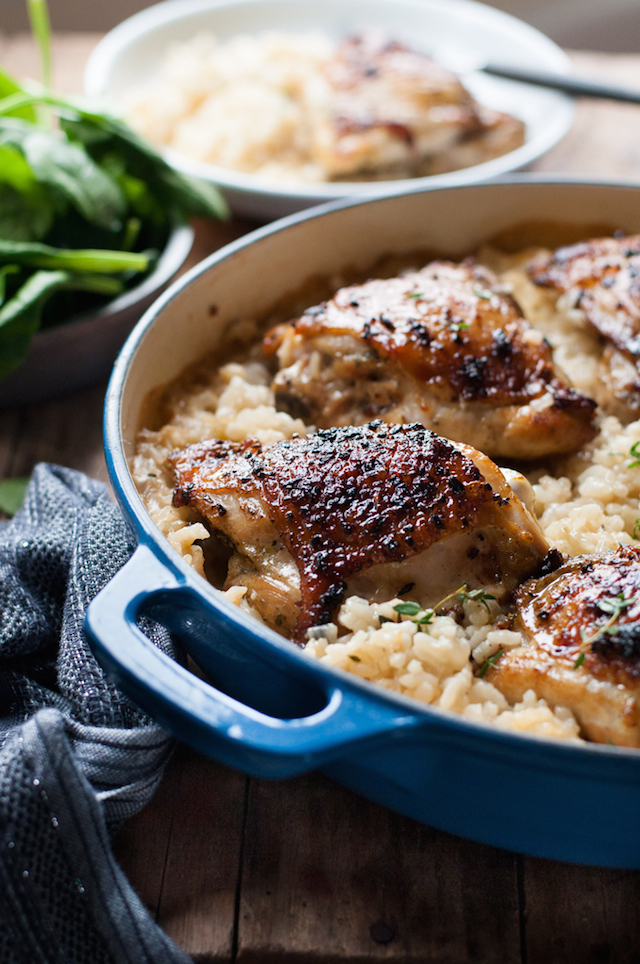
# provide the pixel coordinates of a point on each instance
(446, 346)
(375, 510)
(601, 279)
(393, 110)
(582, 623)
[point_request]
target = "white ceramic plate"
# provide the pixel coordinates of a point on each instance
(129, 55)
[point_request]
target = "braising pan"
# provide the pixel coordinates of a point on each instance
(269, 709)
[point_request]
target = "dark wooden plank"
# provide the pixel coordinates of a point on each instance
(581, 914)
(198, 905)
(604, 140)
(182, 855)
(67, 431)
(330, 877)
(10, 423)
(142, 844)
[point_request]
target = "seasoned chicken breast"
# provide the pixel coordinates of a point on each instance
(445, 346)
(374, 510)
(393, 110)
(601, 279)
(582, 623)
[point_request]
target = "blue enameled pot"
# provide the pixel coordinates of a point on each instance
(269, 709)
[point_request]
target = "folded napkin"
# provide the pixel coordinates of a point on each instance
(76, 756)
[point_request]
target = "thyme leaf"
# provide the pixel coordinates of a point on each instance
(634, 452)
(614, 608)
(457, 326)
(491, 661)
(423, 617)
(476, 595)
(407, 608)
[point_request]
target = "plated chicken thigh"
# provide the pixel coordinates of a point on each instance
(399, 112)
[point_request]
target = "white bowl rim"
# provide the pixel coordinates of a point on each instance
(132, 29)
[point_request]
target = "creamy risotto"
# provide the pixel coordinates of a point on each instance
(585, 502)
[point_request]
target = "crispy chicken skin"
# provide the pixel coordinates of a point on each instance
(583, 626)
(394, 108)
(603, 278)
(375, 509)
(446, 346)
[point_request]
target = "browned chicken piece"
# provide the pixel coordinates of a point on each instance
(374, 510)
(445, 346)
(603, 278)
(394, 109)
(583, 627)
(497, 134)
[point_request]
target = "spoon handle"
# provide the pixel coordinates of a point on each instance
(570, 85)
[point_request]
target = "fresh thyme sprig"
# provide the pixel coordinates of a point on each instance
(490, 661)
(634, 452)
(457, 326)
(418, 615)
(476, 595)
(614, 608)
(424, 617)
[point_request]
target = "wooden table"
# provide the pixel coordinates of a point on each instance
(237, 869)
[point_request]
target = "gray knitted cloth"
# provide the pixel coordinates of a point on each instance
(76, 757)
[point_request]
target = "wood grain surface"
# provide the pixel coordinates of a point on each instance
(238, 869)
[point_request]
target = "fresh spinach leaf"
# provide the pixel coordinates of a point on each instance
(74, 202)
(20, 316)
(99, 260)
(57, 162)
(15, 170)
(135, 190)
(25, 211)
(5, 270)
(142, 161)
(9, 87)
(12, 492)
(41, 29)
(21, 217)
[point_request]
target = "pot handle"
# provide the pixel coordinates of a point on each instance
(204, 717)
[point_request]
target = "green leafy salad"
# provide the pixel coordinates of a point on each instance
(86, 206)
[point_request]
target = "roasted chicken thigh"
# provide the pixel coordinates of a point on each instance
(394, 110)
(445, 346)
(582, 623)
(601, 279)
(376, 510)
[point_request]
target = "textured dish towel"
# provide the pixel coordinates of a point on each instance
(76, 757)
